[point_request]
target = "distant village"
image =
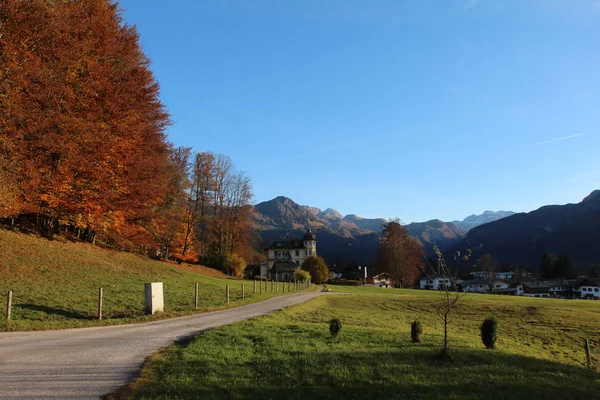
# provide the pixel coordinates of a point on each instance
(513, 284)
(288, 253)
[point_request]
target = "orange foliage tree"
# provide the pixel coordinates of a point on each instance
(399, 255)
(80, 119)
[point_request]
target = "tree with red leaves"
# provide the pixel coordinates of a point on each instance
(399, 255)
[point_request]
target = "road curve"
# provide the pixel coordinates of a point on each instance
(87, 363)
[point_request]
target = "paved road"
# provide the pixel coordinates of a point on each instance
(90, 362)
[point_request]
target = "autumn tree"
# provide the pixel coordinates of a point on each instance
(199, 215)
(317, 268)
(399, 255)
(80, 114)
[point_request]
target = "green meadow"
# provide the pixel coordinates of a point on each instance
(291, 355)
(55, 285)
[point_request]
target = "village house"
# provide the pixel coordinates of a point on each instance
(287, 254)
(382, 280)
(507, 276)
(587, 288)
(433, 282)
(481, 285)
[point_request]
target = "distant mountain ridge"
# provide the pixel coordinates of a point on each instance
(340, 237)
(473, 221)
(573, 229)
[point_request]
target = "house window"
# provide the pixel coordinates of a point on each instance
(297, 253)
(278, 254)
(595, 289)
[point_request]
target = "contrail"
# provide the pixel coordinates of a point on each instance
(559, 139)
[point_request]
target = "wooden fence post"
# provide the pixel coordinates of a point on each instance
(261, 285)
(227, 293)
(243, 292)
(100, 304)
(587, 353)
(8, 305)
(277, 287)
(272, 284)
(196, 296)
(254, 291)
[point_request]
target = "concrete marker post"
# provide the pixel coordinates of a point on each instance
(227, 294)
(243, 292)
(8, 305)
(196, 296)
(100, 304)
(261, 285)
(254, 291)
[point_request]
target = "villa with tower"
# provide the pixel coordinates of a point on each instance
(287, 254)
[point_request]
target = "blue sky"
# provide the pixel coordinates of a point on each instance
(412, 109)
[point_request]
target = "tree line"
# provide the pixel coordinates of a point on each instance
(83, 147)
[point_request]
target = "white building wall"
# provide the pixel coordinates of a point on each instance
(297, 256)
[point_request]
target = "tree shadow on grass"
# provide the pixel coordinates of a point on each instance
(55, 311)
(407, 373)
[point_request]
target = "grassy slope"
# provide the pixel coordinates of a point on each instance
(290, 355)
(55, 284)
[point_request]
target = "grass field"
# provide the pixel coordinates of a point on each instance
(290, 354)
(55, 285)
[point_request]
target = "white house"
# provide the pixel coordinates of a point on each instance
(588, 288)
(500, 275)
(382, 280)
(482, 286)
(433, 282)
(287, 254)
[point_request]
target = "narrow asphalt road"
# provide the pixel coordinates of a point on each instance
(90, 362)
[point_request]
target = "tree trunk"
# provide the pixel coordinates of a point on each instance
(445, 332)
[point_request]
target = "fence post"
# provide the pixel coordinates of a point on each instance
(196, 296)
(8, 305)
(100, 304)
(261, 285)
(243, 292)
(587, 353)
(277, 287)
(272, 284)
(227, 293)
(254, 291)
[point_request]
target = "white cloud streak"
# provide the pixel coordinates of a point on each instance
(559, 139)
(470, 4)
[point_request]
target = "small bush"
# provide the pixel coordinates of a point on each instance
(335, 326)
(489, 332)
(416, 332)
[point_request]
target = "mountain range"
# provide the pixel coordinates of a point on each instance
(572, 229)
(517, 239)
(351, 237)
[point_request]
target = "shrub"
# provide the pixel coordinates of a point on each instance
(335, 326)
(489, 332)
(235, 265)
(416, 332)
(301, 275)
(317, 268)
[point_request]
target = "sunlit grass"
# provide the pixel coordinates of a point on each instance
(55, 284)
(290, 354)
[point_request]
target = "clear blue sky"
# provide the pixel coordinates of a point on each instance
(413, 109)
